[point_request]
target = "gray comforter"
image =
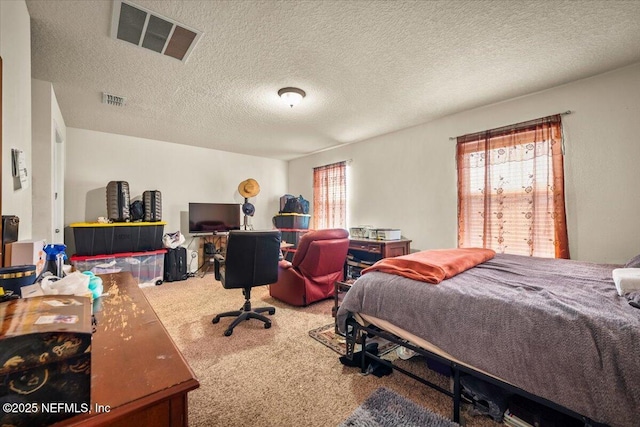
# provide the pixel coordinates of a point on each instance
(555, 328)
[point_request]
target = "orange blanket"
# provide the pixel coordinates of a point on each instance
(433, 266)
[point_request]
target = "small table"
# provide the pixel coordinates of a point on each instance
(285, 247)
(340, 288)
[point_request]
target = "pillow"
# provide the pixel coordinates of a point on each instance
(633, 262)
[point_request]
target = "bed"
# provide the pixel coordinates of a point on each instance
(554, 330)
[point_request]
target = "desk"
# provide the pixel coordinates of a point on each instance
(136, 368)
(284, 249)
(209, 246)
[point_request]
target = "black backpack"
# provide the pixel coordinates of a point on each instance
(136, 210)
(305, 205)
(296, 205)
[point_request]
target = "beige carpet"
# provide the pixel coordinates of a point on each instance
(271, 377)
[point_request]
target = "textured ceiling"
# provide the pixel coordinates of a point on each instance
(368, 67)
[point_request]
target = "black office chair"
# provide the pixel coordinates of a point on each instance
(251, 260)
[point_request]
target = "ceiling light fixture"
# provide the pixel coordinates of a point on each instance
(291, 95)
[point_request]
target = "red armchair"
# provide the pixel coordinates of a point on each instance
(317, 263)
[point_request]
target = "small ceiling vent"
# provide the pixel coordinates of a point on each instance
(144, 28)
(117, 101)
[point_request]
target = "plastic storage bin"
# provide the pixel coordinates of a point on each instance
(291, 220)
(103, 239)
(147, 268)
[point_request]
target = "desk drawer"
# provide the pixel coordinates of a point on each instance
(367, 247)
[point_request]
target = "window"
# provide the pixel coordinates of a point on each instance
(330, 196)
(511, 189)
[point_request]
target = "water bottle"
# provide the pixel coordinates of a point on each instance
(55, 258)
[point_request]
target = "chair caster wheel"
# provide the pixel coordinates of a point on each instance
(215, 320)
(272, 311)
(267, 325)
(228, 332)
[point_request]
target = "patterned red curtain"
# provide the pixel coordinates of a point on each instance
(330, 196)
(511, 189)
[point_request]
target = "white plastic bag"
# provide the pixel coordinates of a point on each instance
(74, 283)
(173, 240)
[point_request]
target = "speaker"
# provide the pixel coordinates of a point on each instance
(10, 225)
(209, 248)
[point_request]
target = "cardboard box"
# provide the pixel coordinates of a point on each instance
(26, 252)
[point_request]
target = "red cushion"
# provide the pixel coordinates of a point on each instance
(313, 236)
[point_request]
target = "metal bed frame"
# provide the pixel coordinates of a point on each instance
(358, 334)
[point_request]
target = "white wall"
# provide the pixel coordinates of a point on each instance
(407, 179)
(15, 49)
(183, 174)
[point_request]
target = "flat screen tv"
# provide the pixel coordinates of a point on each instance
(213, 217)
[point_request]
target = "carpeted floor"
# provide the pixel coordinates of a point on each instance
(278, 376)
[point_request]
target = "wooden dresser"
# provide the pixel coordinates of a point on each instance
(369, 251)
(136, 370)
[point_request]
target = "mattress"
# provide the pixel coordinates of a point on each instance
(554, 328)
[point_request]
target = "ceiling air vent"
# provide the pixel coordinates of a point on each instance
(114, 100)
(144, 28)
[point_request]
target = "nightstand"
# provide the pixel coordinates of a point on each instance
(365, 252)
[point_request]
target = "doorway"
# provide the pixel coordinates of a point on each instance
(58, 187)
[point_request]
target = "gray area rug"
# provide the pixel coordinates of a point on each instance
(385, 408)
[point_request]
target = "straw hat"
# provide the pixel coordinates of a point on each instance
(249, 188)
